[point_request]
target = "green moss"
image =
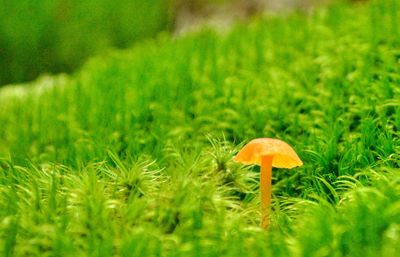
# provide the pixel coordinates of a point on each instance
(133, 155)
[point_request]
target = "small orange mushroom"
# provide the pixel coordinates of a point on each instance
(267, 152)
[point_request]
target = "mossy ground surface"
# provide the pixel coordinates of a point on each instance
(132, 156)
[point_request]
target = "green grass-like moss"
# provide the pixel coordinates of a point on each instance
(132, 156)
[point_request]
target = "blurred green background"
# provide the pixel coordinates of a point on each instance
(52, 36)
(39, 36)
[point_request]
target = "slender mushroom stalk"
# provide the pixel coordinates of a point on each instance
(268, 152)
(266, 189)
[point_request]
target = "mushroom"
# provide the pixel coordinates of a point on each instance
(267, 152)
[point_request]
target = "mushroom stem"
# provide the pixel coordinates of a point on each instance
(266, 189)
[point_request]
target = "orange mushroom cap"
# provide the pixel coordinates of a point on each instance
(283, 154)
